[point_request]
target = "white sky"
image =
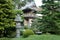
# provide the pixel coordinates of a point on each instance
(38, 2)
(39, 15)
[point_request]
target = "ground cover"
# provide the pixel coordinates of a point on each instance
(36, 37)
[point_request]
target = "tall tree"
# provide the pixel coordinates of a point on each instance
(51, 16)
(7, 14)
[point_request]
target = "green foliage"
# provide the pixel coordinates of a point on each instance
(25, 27)
(51, 16)
(50, 21)
(7, 15)
(27, 33)
(20, 3)
(10, 32)
(37, 24)
(18, 12)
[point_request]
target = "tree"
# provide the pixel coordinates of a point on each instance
(19, 3)
(7, 15)
(51, 16)
(36, 24)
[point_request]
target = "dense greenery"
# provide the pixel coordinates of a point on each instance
(7, 17)
(50, 21)
(51, 18)
(36, 25)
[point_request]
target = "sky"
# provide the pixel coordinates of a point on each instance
(38, 2)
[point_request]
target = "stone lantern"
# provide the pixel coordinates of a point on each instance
(18, 25)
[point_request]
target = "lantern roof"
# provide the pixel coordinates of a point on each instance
(18, 18)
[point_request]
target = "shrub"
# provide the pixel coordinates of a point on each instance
(25, 27)
(10, 32)
(27, 33)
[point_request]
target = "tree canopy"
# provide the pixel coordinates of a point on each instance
(7, 16)
(50, 21)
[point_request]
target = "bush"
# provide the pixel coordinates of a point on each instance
(27, 33)
(12, 34)
(8, 32)
(25, 27)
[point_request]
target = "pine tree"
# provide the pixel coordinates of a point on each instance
(51, 14)
(50, 21)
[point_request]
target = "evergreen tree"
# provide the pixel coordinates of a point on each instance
(51, 16)
(7, 15)
(50, 21)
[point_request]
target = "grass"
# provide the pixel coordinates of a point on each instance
(39, 37)
(42, 37)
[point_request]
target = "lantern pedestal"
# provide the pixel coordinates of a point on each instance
(17, 32)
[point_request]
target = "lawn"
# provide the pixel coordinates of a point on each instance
(39, 37)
